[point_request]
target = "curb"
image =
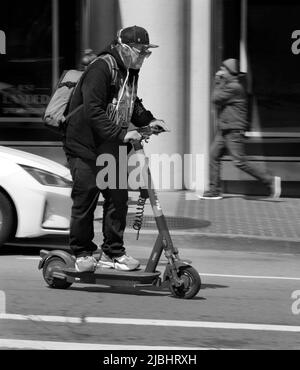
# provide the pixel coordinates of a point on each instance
(219, 242)
(185, 239)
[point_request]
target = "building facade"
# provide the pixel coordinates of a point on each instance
(44, 38)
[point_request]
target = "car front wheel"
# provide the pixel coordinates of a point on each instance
(6, 219)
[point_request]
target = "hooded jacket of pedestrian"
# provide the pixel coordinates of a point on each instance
(230, 98)
(91, 129)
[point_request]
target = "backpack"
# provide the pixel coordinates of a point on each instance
(55, 116)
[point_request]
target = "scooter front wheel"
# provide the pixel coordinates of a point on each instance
(55, 264)
(191, 283)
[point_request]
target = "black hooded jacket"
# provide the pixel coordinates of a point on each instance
(90, 128)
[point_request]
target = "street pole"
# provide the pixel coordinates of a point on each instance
(85, 25)
(55, 43)
(243, 38)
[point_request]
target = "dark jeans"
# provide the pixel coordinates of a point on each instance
(234, 142)
(85, 194)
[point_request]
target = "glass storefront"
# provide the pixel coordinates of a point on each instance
(272, 59)
(42, 39)
(274, 67)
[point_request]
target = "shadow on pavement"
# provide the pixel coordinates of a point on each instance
(149, 291)
(264, 199)
(213, 286)
(145, 291)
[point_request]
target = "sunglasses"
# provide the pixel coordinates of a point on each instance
(142, 51)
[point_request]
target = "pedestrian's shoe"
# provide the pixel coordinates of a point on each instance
(85, 264)
(210, 195)
(123, 263)
(275, 187)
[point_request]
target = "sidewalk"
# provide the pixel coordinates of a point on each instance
(236, 222)
(235, 219)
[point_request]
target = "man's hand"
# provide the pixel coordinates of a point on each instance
(132, 136)
(159, 125)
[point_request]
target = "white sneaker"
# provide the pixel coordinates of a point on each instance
(85, 264)
(123, 263)
(105, 262)
(126, 263)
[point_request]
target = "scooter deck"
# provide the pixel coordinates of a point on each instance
(109, 277)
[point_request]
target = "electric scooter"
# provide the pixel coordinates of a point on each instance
(179, 276)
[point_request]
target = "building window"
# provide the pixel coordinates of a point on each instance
(34, 30)
(274, 67)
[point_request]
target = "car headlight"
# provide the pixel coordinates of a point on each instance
(47, 178)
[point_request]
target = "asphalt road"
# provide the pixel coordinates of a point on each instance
(248, 300)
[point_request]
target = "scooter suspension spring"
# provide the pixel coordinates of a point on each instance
(138, 221)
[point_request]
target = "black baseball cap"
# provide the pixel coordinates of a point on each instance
(135, 35)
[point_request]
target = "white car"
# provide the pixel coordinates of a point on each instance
(34, 195)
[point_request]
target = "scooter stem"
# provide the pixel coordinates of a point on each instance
(164, 240)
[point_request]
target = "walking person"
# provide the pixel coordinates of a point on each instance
(108, 92)
(230, 99)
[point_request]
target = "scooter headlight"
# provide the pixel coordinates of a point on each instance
(47, 178)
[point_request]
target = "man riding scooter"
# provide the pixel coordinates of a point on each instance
(101, 128)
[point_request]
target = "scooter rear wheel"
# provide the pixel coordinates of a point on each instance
(55, 264)
(191, 283)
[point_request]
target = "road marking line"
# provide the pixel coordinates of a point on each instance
(35, 344)
(2, 302)
(151, 322)
(250, 276)
(43, 318)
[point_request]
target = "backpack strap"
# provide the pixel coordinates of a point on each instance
(68, 84)
(113, 67)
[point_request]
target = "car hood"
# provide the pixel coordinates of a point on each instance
(33, 160)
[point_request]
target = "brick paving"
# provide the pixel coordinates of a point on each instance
(240, 216)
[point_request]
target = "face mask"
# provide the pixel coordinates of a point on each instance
(133, 57)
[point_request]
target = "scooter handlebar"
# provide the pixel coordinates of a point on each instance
(145, 133)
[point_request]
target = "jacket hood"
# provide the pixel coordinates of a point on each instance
(232, 65)
(110, 49)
